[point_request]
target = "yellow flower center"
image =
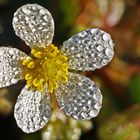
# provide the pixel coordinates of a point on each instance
(48, 66)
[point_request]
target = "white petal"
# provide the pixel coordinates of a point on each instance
(80, 98)
(34, 24)
(89, 50)
(32, 110)
(9, 65)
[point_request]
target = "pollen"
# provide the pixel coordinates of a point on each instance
(48, 67)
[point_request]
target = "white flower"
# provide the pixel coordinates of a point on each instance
(49, 70)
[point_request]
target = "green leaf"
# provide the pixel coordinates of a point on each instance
(134, 88)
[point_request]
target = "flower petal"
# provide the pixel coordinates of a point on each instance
(89, 50)
(80, 98)
(34, 24)
(9, 65)
(32, 110)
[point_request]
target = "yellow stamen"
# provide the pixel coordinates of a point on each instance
(38, 55)
(28, 76)
(36, 82)
(52, 85)
(33, 51)
(31, 65)
(29, 82)
(48, 67)
(25, 62)
(61, 76)
(50, 48)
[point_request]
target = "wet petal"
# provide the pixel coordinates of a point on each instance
(34, 24)
(80, 98)
(9, 65)
(89, 50)
(32, 110)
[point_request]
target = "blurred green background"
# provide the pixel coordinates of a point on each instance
(119, 118)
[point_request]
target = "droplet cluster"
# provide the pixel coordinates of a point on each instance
(89, 50)
(9, 65)
(32, 110)
(34, 24)
(80, 98)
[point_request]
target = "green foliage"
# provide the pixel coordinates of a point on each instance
(68, 10)
(134, 88)
(119, 128)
